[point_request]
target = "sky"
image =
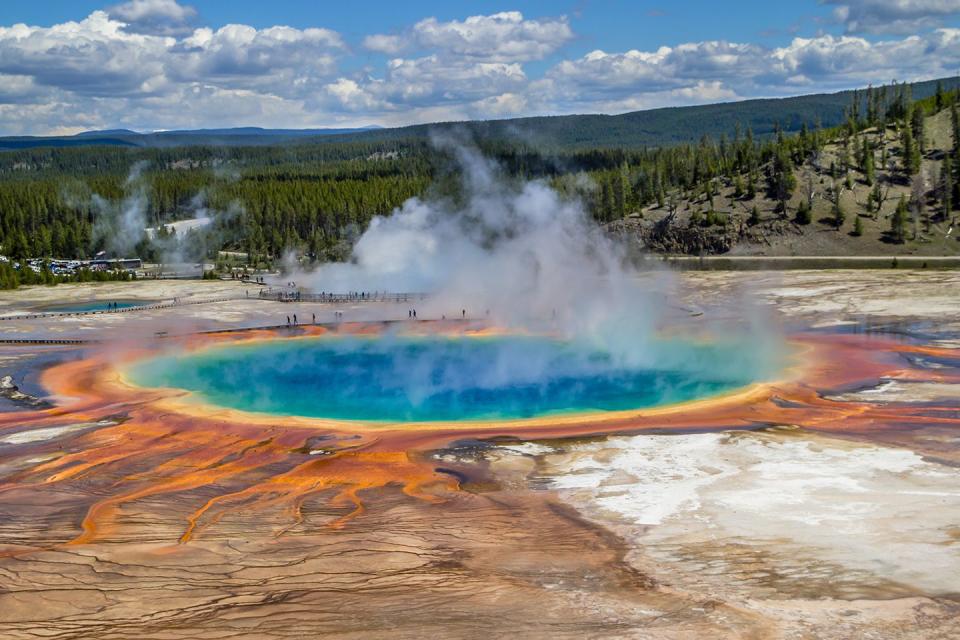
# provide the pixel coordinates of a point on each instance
(74, 65)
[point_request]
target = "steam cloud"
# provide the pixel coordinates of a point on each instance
(123, 225)
(519, 251)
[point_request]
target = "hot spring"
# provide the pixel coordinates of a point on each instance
(447, 378)
(95, 305)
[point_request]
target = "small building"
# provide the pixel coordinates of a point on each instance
(115, 264)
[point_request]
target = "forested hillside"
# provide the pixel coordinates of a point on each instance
(886, 182)
(857, 187)
(673, 125)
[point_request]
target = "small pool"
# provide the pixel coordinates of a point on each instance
(442, 378)
(95, 305)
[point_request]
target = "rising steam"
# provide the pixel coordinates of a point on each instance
(124, 227)
(120, 224)
(516, 252)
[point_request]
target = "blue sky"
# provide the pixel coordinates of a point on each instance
(157, 64)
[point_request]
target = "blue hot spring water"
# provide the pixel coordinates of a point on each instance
(95, 305)
(438, 378)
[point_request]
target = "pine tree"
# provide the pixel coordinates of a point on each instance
(871, 106)
(898, 222)
(911, 154)
(621, 189)
(857, 227)
(754, 218)
(839, 215)
(781, 181)
(876, 197)
(804, 213)
(916, 125)
(946, 187)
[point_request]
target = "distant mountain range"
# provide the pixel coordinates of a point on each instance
(234, 131)
(237, 136)
(655, 127)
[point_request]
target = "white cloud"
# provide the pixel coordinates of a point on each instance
(100, 57)
(433, 76)
(105, 72)
(502, 37)
(430, 81)
(15, 89)
(665, 68)
(276, 59)
(389, 44)
(154, 17)
(92, 57)
(501, 106)
(352, 97)
(892, 16)
(99, 62)
(840, 61)
(708, 71)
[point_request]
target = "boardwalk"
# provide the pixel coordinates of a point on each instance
(287, 295)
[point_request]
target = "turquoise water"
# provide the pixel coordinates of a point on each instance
(95, 305)
(443, 378)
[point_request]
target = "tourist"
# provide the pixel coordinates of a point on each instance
(288, 321)
(314, 318)
(294, 318)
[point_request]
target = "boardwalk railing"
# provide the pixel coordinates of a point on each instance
(372, 296)
(96, 312)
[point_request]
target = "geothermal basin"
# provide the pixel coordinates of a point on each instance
(235, 474)
(434, 378)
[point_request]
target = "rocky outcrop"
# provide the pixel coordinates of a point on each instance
(10, 391)
(669, 237)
